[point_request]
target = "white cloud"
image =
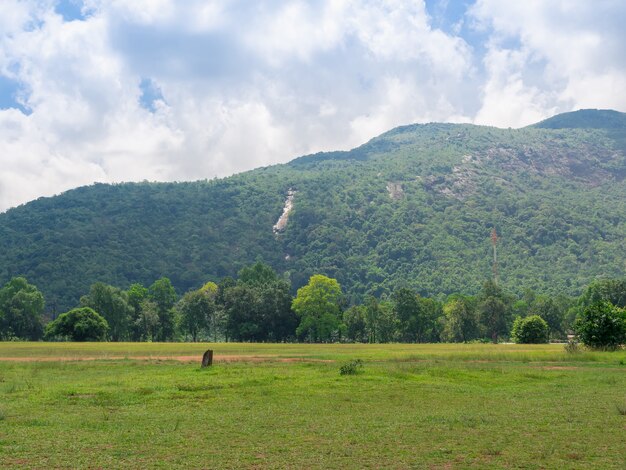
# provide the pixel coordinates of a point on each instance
(244, 84)
(548, 57)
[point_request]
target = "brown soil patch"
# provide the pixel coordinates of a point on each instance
(216, 358)
(560, 368)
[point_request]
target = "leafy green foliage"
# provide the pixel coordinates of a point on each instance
(318, 304)
(602, 326)
(530, 330)
(79, 324)
(554, 194)
(355, 322)
(552, 310)
(21, 309)
(461, 319)
(416, 316)
(163, 294)
(196, 311)
(605, 290)
(494, 310)
(112, 303)
(351, 368)
(258, 306)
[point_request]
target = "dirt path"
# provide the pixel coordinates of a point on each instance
(216, 358)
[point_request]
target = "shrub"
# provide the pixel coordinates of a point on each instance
(351, 368)
(80, 324)
(530, 330)
(572, 347)
(602, 326)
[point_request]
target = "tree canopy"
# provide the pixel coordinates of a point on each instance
(21, 310)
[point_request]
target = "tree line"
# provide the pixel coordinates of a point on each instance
(258, 307)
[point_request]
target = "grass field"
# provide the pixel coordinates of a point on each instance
(286, 406)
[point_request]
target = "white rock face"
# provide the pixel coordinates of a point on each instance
(281, 224)
(395, 190)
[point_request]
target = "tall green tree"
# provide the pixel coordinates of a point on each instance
(147, 322)
(494, 310)
(407, 310)
(196, 310)
(242, 305)
(258, 306)
(461, 319)
(416, 316)
(136, 295)
(356, 326)
(257, 274)
(21, 310)
(387, 323)
(318, 304)
(605, 290)
(548, 309)
(163, 294)
(112, 304)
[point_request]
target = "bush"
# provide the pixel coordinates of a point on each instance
(602, 326)
(351, 368)
(530, 330)
(572, 347)
(80, 324)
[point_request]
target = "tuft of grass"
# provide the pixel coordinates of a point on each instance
(572, 347)
(351, 368)
(621, 408)
(197, 387)
(3, 415)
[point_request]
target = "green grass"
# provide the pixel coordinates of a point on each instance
(411, 406)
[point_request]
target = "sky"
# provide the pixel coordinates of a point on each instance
(170, 90)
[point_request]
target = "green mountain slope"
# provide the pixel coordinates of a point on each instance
(412, 207)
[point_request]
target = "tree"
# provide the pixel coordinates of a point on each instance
(21, 310)
(259, 311)
(147, 323)
(318, 306)
(112, 304)
(530, 330)
(196, 310)
(493, 309)
(243, 318)
(602, 326)
(162, 293)
(279, 319)
(387, 326)
(136, 295)
(258, 274)
(416, 315)
(79, 324)
(356, 327)
(432, 311)
(461, 319)
(548, 309)
(608, 290)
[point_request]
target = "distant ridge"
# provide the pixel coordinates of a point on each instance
(412, 207)
(585, 119)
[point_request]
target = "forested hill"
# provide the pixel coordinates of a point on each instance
(413, 207)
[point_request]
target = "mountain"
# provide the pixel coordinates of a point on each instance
(413, 207)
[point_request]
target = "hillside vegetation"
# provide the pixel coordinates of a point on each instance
(412, 208)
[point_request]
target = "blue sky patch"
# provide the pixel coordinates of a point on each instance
(9, 90)
(70, 10)
(150, 93)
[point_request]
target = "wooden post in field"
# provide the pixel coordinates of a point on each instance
(207, 358)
